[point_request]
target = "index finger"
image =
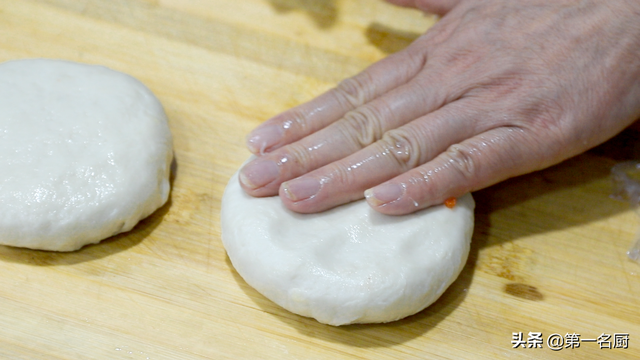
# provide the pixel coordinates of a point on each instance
(300, 121)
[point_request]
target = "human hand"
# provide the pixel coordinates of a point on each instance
(495, 89)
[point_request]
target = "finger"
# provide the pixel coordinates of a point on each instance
(439, 7)
(398, 151)
(356, 130)
(470, 165)
(305, 119)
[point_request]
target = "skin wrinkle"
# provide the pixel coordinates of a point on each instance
(342, 176)
(315, 147)
(356, 90)
(292, 127)
(298, 119)
(399, 145)
(461, 158)
(359, 164)
(363, 125)
(420, 59)
(425, 93)
(427, 135)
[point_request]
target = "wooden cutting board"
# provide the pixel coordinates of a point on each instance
(548, 253)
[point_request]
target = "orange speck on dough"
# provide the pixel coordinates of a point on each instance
(450, 202)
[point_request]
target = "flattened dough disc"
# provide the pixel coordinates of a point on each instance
(85, 153)
(349, 264)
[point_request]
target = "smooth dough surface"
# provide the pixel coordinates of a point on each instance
(349, 264)
(85, 153)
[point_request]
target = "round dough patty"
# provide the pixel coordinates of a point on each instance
(349, 264)
(85, 153)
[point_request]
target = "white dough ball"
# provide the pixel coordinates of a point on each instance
(349, 264)
(85, 153)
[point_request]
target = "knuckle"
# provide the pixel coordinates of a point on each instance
(342, 175)
(462, 159)
(296, 156)
(548, 116)
(295, 121)
(363, 125)
(355, 90)
(462, 59)
(538, 114)
(403, 147)
(437, 35)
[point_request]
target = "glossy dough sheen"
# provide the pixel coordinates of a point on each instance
(346, 265)
(85, 153)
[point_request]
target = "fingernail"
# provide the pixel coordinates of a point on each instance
(259, 173)
(384, 194)
(301, 189)
(264, 137)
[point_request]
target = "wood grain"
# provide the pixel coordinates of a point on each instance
(548, 251)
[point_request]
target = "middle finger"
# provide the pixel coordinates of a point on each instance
(356, 130)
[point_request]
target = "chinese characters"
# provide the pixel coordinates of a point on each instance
(557, 342)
